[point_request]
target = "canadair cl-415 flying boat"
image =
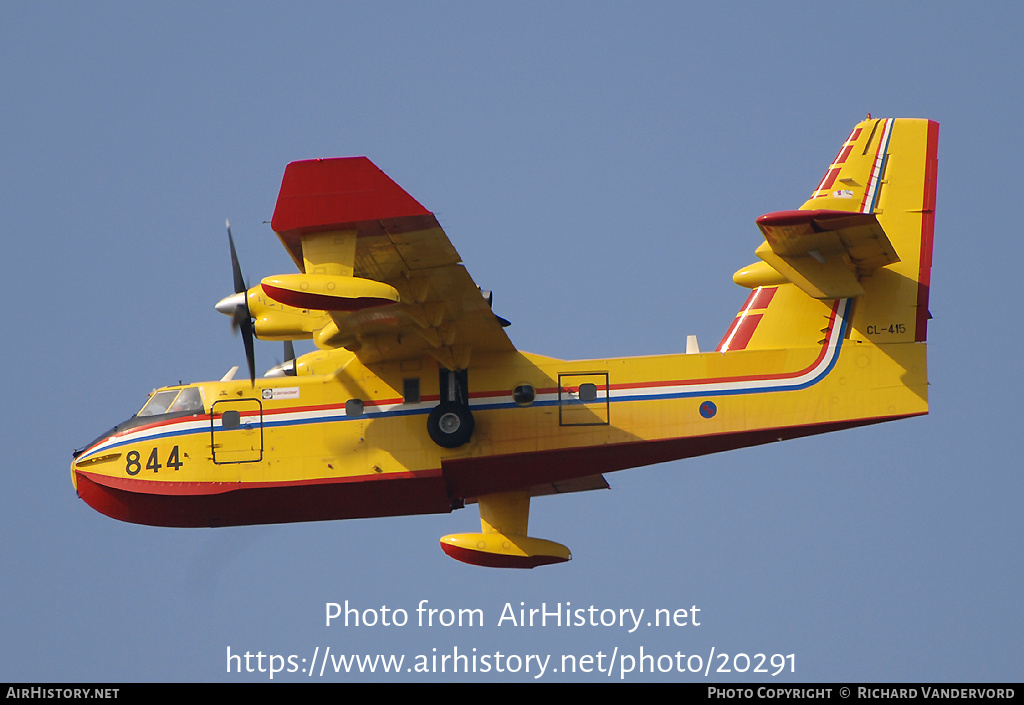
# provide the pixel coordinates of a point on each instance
(416, 401)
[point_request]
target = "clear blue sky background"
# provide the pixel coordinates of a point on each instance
(599, 166)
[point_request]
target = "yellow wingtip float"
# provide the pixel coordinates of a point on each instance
(417, 402)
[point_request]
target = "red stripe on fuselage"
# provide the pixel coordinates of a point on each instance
(746, 378)
(758, 299)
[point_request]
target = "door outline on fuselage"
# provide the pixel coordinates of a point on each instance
(586, 411)
(239, 438)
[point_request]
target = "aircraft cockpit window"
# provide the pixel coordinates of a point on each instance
(159, 403)
(173, 401)
(188, 400)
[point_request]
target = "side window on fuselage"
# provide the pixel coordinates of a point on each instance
(411, 391)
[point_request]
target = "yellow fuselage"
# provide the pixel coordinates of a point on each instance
(340, 440)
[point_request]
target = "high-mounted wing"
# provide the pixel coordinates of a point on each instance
(381, 266)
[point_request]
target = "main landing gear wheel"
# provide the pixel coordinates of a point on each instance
(450, 425)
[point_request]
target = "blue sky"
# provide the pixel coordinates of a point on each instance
(599, 166)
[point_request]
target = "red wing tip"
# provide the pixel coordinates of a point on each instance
(318, 194)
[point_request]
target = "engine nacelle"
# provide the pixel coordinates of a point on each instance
(327, 292)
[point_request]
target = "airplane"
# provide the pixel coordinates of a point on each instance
(416, 401)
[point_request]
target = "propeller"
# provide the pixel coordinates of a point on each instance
(286, 368)
(289, 359)
(237, 307)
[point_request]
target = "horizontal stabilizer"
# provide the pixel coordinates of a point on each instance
(825, 252)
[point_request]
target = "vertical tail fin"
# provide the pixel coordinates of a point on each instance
(865, 234)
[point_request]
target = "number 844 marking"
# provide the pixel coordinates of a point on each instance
(133, 461)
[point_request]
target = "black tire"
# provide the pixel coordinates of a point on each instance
(450, 425)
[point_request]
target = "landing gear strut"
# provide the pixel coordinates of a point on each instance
(450, 424)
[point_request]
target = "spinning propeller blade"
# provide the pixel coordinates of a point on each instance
(286, 368)
(289, 358)
(238, 307)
